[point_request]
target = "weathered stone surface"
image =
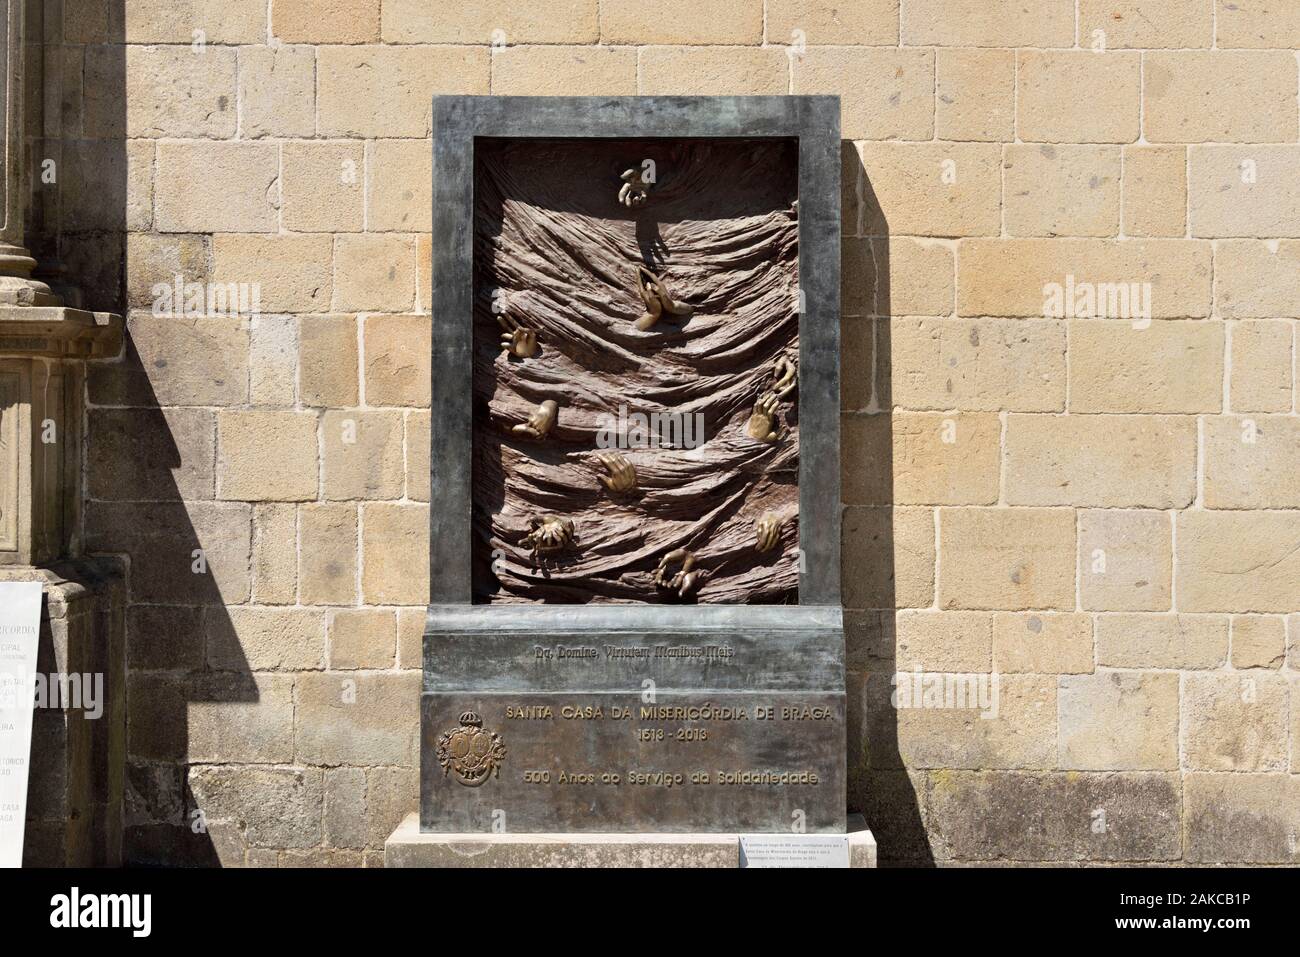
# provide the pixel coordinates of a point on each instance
(857, 364)
(1256, 279)
(1259, 641)
(154, 261)
(277, 91)
(374, 272)
(391, 793)
(1012, 277)
(1162, 641)
(1119, 721)
(1222, 95)
(1062, 817)
(397, 360)
(1042, 643)
(1235, 722)
(1146, 24)
(888, 557)
(1100, 460)
(940, 189)
(363, 454)
(1155, 190)
(898, 276)
(548, 21)
(266, 639)
(1238, 561)
(943, 459)
(230, 718)
(1125, 560)
(321, 857)
(1015, 729)
(325, 21)
(410, 637)
(174, 21)
(239, 718)
(1242, 818)
(162, 637)
(323, 186)
(855, 23)
(266, 456)
(714, 71)
(417, 456)
(681, 21)
(1078, 96)
(1252, 463)
(174, 91)
(272, 360)
(1062, 190)
(327, 362)
(344, 818)
(143, 454)
(1244, 191)
(173, 360)
(1006, 558)
(400, 186)
(275, 807)
(947, 641)
(206, 187)
(1261, 378)
(564, 71)
(358, 718)
(192, 553)
(350, 80)
(1162, 367)
(987, 23)
(327, 558)
(889, 93)
(362, 638)
(976, 95)
(1256, 25)
(291, 273)
(978, 364)
(395, 551)
(275, 554)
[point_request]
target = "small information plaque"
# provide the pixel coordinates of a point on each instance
(794, 850)
(20, 626)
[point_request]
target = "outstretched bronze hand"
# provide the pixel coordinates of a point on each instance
(622, 473)
(517, 340)
(768, 528)
(684, 581)
(548, 534)
(762, 423)
(783, 371)
(635, 188)
(657, 299)
(540, 422)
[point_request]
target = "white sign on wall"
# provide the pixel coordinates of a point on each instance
(20, 628)
(794, 850)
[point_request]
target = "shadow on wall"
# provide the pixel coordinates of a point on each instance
(880, 786)
(150, 455)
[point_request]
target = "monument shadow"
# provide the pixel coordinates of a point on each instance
(880, 786)
(149, 494)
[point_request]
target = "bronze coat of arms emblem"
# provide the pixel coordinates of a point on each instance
(473, 753)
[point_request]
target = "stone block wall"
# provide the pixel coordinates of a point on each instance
(1072, 453)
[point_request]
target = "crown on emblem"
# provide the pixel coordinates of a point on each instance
(471, 719)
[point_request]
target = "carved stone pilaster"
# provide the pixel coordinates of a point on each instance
(17, 288)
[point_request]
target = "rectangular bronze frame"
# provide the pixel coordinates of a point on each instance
(475, 654)
(458, 120)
